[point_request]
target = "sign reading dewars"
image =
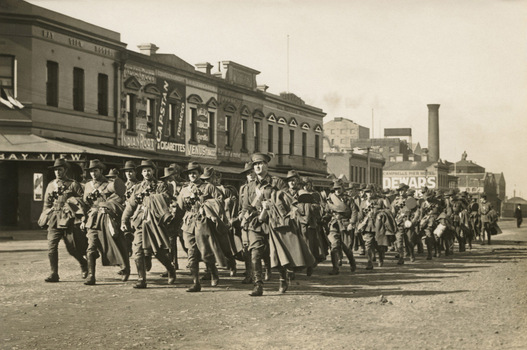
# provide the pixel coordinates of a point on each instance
(414, 179)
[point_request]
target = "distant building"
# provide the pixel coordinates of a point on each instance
(433, 175)
(473, 179)
(354, 166)
(392, 149)
(340, 132)
(400, 133)
(509, 206)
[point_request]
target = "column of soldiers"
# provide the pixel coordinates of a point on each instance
(268, 224)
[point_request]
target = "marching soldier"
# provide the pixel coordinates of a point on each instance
(484, 209)
(147, 212)
(196, 225)
(105, 203)
(255, 207)
(250, 176)
(342, 217)
(61, 202)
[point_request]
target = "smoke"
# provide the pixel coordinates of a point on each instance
(332, 101)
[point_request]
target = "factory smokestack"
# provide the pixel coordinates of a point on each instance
(433, 133)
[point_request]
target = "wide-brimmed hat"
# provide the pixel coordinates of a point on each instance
(146, 163)
(402, 187)
(337, 184)
(260, 157)
(450, 193)
(368, 188)
(291, 174)
(129, 165)
(96, 164)
(60, 163)
(168, 171)
(193, 166)
(410, 192)
(247, 168)
(112, 173)
(208, 172)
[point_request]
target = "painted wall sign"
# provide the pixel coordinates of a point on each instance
(202, 125)
(139, 141)
(415, 182)
(201, 151)
(46, 157)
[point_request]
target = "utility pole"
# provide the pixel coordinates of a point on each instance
(368, 170)
(287, 62)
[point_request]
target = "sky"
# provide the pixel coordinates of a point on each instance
(376, 62)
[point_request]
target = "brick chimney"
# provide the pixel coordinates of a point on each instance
(433, 132)
(148, 49)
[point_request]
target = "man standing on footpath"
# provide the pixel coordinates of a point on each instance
(62, 195)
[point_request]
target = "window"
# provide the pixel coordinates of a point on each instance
(351, 173)
(228, 130)
(304, 144)
(150, 115)
(52, 84)
(172, 110)
(211, 127)
(244, 134)
(270, 138)
(317, 146)
(193, 125)
(332, 131)
(102, 94)
(256, 136)
(392, 149)
(381, 149)
(342, 131)
(291, 142)
(392, 159)
(130, 112)
(7, 72)
(280, 140)
(78, 89)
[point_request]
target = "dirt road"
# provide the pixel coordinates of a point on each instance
(471, 300)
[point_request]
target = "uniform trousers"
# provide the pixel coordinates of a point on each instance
(74, 239)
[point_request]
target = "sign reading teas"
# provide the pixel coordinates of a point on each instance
(414, 179)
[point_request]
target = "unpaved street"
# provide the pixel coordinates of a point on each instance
(472, 300)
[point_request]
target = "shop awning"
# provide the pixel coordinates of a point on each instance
(18, 144)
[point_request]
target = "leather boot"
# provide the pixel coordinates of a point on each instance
(54, 264)
(309, 271)
(334, 262)
(248, 279)
(369, 255)
(256, 263)
(215, 278)
(141, 273)
(194, 272)
(380, 263)
(148, 262)
(283, 281)
(267, 270)
(84, 269)
(257, 290)
(164, 258)
(90, 280)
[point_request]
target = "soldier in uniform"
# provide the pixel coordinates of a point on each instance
(255, 208)
(196, 226)
(58, 214)
(484, 209)
(250, 176)
(174, 183)
(147, 211)
(343, 216)
(131, 181)
(104, 202)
